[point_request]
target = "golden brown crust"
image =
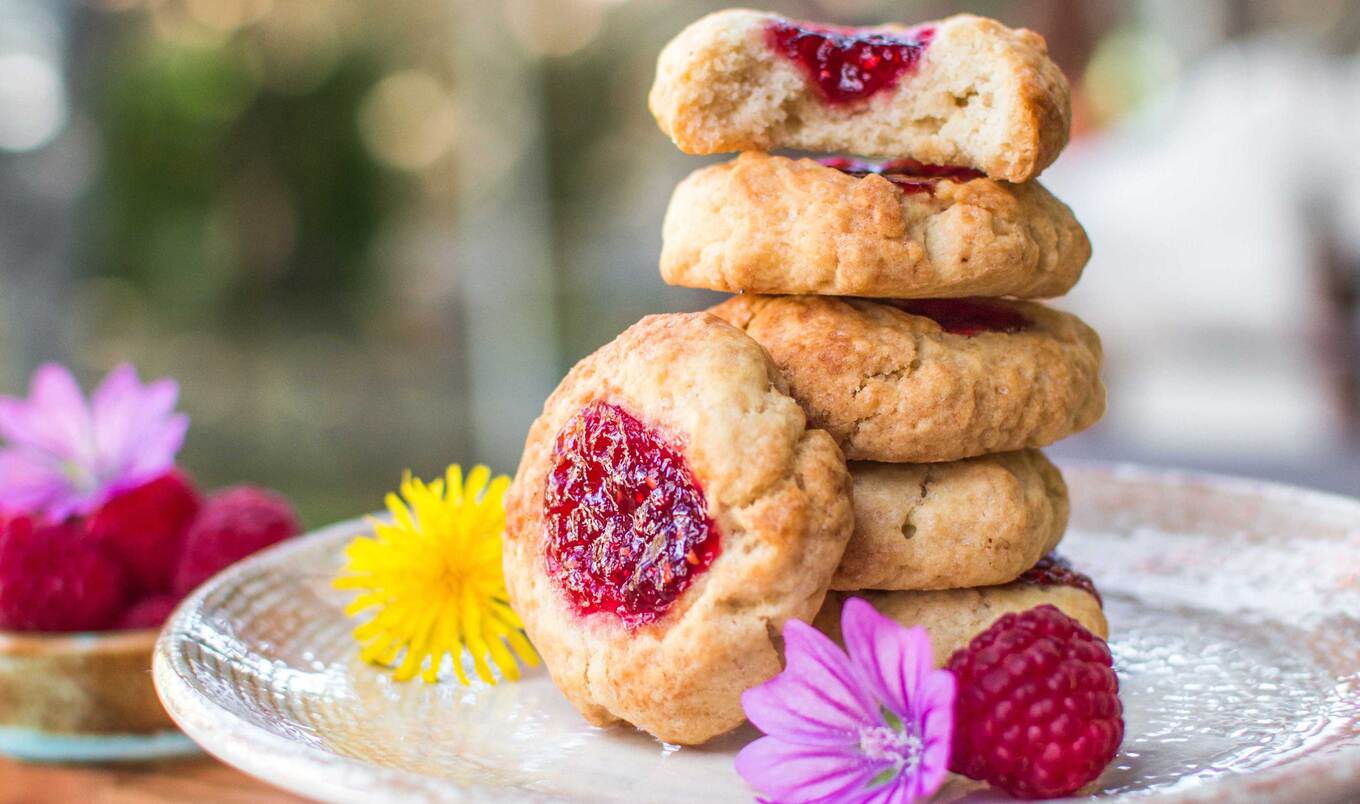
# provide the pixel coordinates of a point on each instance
(897, 388)
(770, 224)
(953, 617)
(983, 96)
(976, 522)
(779, 493)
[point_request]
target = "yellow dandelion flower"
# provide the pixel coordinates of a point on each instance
(433, 579)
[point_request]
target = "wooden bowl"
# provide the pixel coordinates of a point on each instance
(82, 697)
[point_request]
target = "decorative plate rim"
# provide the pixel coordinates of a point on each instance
(329, 776)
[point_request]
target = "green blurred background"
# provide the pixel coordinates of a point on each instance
(367, 236)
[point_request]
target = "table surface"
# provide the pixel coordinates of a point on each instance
(197, 779)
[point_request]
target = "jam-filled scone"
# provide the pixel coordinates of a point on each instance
(976, 522)
(953, 617)
(931, 379)
(770, 224)
(962, 91)
(671, 511)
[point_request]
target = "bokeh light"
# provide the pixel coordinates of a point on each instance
(554, 27)
(32, 102)
(408, 120)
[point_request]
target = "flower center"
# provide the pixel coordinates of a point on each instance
(888, 744)
(80, 475)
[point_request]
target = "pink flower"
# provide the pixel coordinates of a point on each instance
(871, 726)
(65, 456)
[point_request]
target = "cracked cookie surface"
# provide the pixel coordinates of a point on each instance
(976, 522)
(777, 492)
(953, 617)
(976, 94)
(901, 387)
(770, 224)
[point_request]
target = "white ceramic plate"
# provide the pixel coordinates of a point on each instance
(1234, 607)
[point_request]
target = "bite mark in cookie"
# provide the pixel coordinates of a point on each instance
(847, 64)
(958, 91)
(627, 524)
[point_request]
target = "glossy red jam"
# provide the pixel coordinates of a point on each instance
(967, 316)
(908, 175)
(1054, 570)
(626, 524)
(845, 64)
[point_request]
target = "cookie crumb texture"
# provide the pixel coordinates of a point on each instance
(900, 388)
(777, 495)
(962, 91)
(627, 525)
(763, 223)
(977, 522)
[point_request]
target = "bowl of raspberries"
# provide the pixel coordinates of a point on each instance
(101, 536)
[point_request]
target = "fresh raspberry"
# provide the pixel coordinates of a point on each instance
(144, 529)
(231, 525)
(55, 578)
(149, 612)
(1038, 712)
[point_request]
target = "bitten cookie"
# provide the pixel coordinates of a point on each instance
(932, 379)
(963, 91)
(770, 224)
(976, 522)
(953, 617)
(672, 509)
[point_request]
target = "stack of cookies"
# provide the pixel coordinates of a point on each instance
(886, 291)
(863, 418)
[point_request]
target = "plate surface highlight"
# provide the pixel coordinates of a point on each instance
(1234, 609)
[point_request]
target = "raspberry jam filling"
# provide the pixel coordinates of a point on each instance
(626, 524)
(848, 65)
(1054, 570)
(908, 175)
(967, 317)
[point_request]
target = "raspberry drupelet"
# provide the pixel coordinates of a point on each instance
(1038, 712)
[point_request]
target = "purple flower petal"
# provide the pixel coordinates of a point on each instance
(155, 454)
(785, 772)
(53, 419)
(937, 725)
(68, 457)
(58, 413)
(898, 662)
(894, 792)
(14, 420)
(817, 700)
(29, 480)
(115, 408)
(894, 659)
